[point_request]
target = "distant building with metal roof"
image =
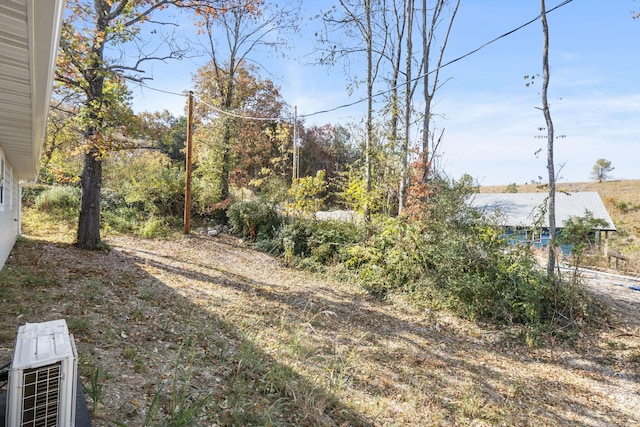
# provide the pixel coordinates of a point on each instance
(522, 210)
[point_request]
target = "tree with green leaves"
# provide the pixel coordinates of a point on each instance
(601, 170)
(97, 56)
(231, 149)
(579, 234)
(164, 132)
(308, 194)
(356, 28)
(230, 40)
(511, 188)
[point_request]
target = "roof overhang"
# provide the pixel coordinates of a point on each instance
(29, 36)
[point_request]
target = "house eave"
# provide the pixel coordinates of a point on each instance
(29, 36)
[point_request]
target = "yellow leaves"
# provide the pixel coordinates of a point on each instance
(99, 38)
(280, 133)
(264, 175)
(62, 176)
(94, 142)
(265, 171)
(205, 14)
(308, 194)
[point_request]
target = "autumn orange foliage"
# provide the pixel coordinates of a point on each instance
(419, 191)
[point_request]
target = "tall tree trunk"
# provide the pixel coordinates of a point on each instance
(89, 221)
(396, 62)
(91, 178)
(429, 88)
(226, 158)
(83, 68)
(550, 139)
(404, 152)
(369, 125)
(227, 133)
(426, 118)
(395, 59)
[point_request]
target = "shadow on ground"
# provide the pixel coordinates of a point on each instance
(269, 346)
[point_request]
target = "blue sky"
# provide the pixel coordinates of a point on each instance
(489, 115)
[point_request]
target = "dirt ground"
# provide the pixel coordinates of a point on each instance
(157, 322)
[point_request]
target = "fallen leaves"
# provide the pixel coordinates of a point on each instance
(270, 343)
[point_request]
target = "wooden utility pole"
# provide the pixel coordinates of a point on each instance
(187, 190)
(296, 155)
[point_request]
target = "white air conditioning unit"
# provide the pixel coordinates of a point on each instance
(42, 381)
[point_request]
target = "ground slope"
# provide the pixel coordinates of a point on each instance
(261, 344)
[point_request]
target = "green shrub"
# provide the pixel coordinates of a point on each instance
(330, 239)
(511, 188)
(504, 286)
(394, 257)
(111, 200)
(308, 194)
(253, 220)
(623, 207)
(143, 193)
(273, 191)
(123, 219)
(294, 237)
(446, 254)
(58, 200)
(154, 227)
(160, 193)
(323, 242)
(30, 192)
(119, 215)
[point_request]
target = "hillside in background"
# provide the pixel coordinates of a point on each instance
(622, 199)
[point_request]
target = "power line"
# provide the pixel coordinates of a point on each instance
(240, 116)
(218, 110)
(564, 3)
(350, 104)
(504, 35)
(184, 94)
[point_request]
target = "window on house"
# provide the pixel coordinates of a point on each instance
(2, 184)
(7, 193)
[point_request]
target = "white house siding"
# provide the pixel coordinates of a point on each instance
(9, 210)
(29, 35)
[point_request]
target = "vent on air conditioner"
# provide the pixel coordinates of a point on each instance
(42, 379)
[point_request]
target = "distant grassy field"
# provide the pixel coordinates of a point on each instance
(622, 199)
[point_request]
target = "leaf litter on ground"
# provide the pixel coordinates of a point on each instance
(206, 331)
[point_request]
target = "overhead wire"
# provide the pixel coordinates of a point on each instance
(377, 94)
(504, 35)
(238, 116)
(508, 33)
(213, 107)
(144, 85)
